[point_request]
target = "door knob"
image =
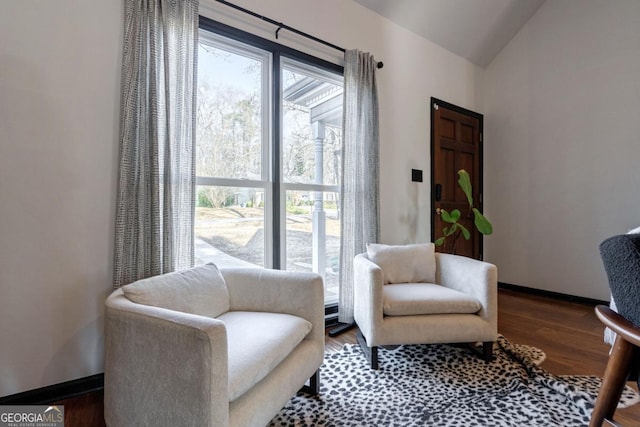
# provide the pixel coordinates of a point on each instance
(438, 211)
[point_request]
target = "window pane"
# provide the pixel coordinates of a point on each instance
(312, 127)
(229, 114)
(229, 222)
(306, 212)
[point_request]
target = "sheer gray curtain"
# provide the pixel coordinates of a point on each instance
(155, 202)
(360, 165)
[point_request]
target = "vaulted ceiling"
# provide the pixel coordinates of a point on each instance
(473, 29)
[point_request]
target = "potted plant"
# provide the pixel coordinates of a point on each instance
(455, 229)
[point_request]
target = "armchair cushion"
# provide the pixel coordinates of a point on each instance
(426, 298)
(257, 343)
(200, 290)
(405, 263)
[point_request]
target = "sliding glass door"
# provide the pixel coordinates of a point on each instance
(269, 135)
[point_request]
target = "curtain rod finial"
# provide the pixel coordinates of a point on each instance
(380, 64)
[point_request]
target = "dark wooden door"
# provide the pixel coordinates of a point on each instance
(456, 143)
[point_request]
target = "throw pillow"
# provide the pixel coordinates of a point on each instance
(405, 263)
(199, 290)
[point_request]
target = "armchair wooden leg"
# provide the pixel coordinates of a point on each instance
(371, 353)
(373, 358)
(615, 377)
(487, 351)
(314, 384)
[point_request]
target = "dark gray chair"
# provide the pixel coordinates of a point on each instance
(621, 258)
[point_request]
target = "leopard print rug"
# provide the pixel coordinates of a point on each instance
(442, 385)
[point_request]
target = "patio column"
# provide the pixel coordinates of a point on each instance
(319, 223)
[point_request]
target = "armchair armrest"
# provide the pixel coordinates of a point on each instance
(472, 277)
(618, 324)
(278, 291)
(368, 297)
(163, 366)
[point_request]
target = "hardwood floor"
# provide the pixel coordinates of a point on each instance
(568, 332)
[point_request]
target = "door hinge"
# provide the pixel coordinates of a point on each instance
(435, 106)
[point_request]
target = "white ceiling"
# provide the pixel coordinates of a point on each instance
(474, 29)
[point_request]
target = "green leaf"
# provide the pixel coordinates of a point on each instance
(465, 232)
(440, 241)
(482, 224)
(444, 231)
(452, 217)
(446, 217)
(465, 183)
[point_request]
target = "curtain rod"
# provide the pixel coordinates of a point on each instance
(282, 26)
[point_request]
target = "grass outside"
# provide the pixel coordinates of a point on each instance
(295, 221)
(239, 232)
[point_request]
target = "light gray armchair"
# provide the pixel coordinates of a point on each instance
(204, 347)
(423, 298)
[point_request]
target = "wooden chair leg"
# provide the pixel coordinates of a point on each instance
(374, 358)
(615, 377)
(371, 353)
(314, 384)
(487, 351)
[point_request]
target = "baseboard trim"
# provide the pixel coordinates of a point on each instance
(56, 392)
(551, 294)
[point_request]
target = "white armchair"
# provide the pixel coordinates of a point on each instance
(412, 295)
(200, 348)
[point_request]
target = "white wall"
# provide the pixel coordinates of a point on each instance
(59, 102)
(562, 144)
(414, 71)
(59, 96)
